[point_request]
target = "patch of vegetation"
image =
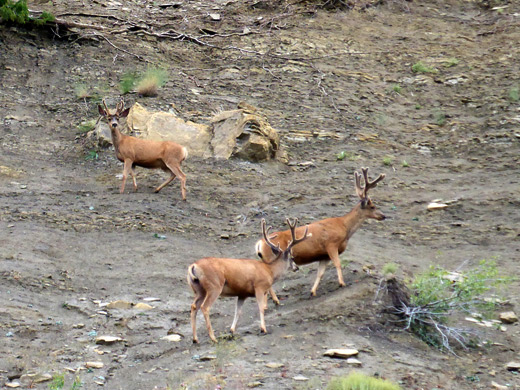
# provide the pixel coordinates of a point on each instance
(86, 126)
(387, 160)
(92, 155)
(405, 164)
(451, 62)
(18, 12)
(127, 83)
(397, 88)
(419, 67)
(58, 381)
(347, 155)
(418, 107)
(82, 91)
(514, 94)
(151, 81)
(389, 268)
(359, 381)
(433, 297)
(440, 118)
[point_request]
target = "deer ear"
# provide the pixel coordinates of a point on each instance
(101, 110)
(124, 114)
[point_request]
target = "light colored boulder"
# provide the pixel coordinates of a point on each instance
(241, 133)
(508, 317)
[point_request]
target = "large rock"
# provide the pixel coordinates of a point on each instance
(241, 133)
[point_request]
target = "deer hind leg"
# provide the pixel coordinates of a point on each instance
(322, 265)
(211, 297)
(177, 171)
(273, 296)
(261, 299)
(238, 311)
(334, 256)
(195, 306)
(126, 169)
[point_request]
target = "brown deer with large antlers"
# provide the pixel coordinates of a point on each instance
(212, 277)
(132, 151)
(329, 236)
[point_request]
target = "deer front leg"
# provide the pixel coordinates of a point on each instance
(334, 256)
(132, 171)
(322, 265)
(238, 311)
(126, 169)
(261, 299)
(273, 296)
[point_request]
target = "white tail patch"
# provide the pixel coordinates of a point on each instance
(258, 248)
(185, 152)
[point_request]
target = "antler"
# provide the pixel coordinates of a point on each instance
(362, 191)
(275, 248)
(120, 106)
(106, 108)
(294, 240)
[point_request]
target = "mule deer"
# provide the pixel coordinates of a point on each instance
(212, 277)
(329, 236)
(132, 151)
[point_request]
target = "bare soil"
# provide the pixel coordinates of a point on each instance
(330, 80)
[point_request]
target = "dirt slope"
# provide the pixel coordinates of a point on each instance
(329, 81)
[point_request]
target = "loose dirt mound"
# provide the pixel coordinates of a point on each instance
(330, 81)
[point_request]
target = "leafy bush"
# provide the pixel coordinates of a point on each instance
(435, 296)
(17, 12)
(359, 381)
(127, 83)
(151, 81)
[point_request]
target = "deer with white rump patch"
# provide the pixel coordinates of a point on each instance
(132, 151)
(329, 236)
(212, 277)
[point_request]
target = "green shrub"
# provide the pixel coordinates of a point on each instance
(419, 67)
(436, 295)
(451, 62)
(514, 94)
(18, 12)
(359, 381)
(127, 83)
(389, 268)
(150, 82)
(86, 126)
(58, 381)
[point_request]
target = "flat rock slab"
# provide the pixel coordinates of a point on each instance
(343, 353)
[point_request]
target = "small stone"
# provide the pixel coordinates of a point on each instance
(143, 306)
(354, 362)
(172, 337)
(13, 385)
(274, 365)
(254, 384)
(341, 353)
(78, 326)
(119, 304)
(215, 17)
(436, 206)
(205, 358)
(35, 378)
(108, 339)
(508, 317)
(300, 378)
(499, 387)
(151, 299)
(94, 364)
(513, 366)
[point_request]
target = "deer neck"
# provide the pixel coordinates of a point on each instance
(116, 137)
(278, 267)
(353, 220)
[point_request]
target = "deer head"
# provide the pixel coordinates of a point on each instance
(287, 255)
(366, 203)
(113, 119)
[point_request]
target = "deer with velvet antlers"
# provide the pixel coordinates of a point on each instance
(132, 151)
(329, 236)
(212, 277)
